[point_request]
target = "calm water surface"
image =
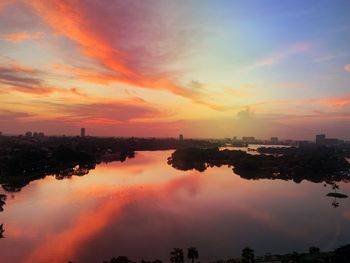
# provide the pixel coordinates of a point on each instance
(142, 208)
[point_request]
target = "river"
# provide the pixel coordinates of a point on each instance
(142, 208)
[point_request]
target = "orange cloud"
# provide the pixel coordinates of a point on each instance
(20, 68)
(88, 74)
(22, 36)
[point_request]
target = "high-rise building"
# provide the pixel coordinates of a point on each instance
(274, 139)
(82, 132)
(322, 140)
(181, 137)
(29, 134)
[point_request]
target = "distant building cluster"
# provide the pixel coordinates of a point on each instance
(30, 134)
(39, 135)
(248, 139)
(322, 140)
(274, 140)
(253, 140)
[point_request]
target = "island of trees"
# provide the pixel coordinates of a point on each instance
(313, 163)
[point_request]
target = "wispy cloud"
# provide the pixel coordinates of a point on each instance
(18, 37)
(17, 78)
(325, 58)
(22, 79)
(12, 116)
(130, 40)
(245, 114)
(336, 102)
(112, 112)
(274, 58)
(108, 111)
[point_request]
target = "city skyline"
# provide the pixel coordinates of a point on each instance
(205, 69)
(319, 139)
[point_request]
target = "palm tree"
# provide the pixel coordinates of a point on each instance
(177, 255)
(192, 253)
(248, 255)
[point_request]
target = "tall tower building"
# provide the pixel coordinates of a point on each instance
(82, 132)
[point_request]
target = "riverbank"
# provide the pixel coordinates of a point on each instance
(339, 255)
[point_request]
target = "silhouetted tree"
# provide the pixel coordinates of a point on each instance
(192, 253)
(295, 257)
(342, 254)
(177, 255)
(314, 251)
(151, 261)
(154, 261)
(2, 231)
(248, 255)
(121, 259)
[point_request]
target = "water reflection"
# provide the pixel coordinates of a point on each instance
(143, 208)
(336, 195)
(314, 164)
(15, 177)
(2, 230)
(2, 202)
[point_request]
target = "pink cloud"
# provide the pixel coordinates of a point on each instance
(4, 3)
(336, 102)
(26, 80)
(132, 41)
(347, 67)
(106, 112)
(296, 48)
(112, 112)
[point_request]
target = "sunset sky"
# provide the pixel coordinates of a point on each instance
(159, 68)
